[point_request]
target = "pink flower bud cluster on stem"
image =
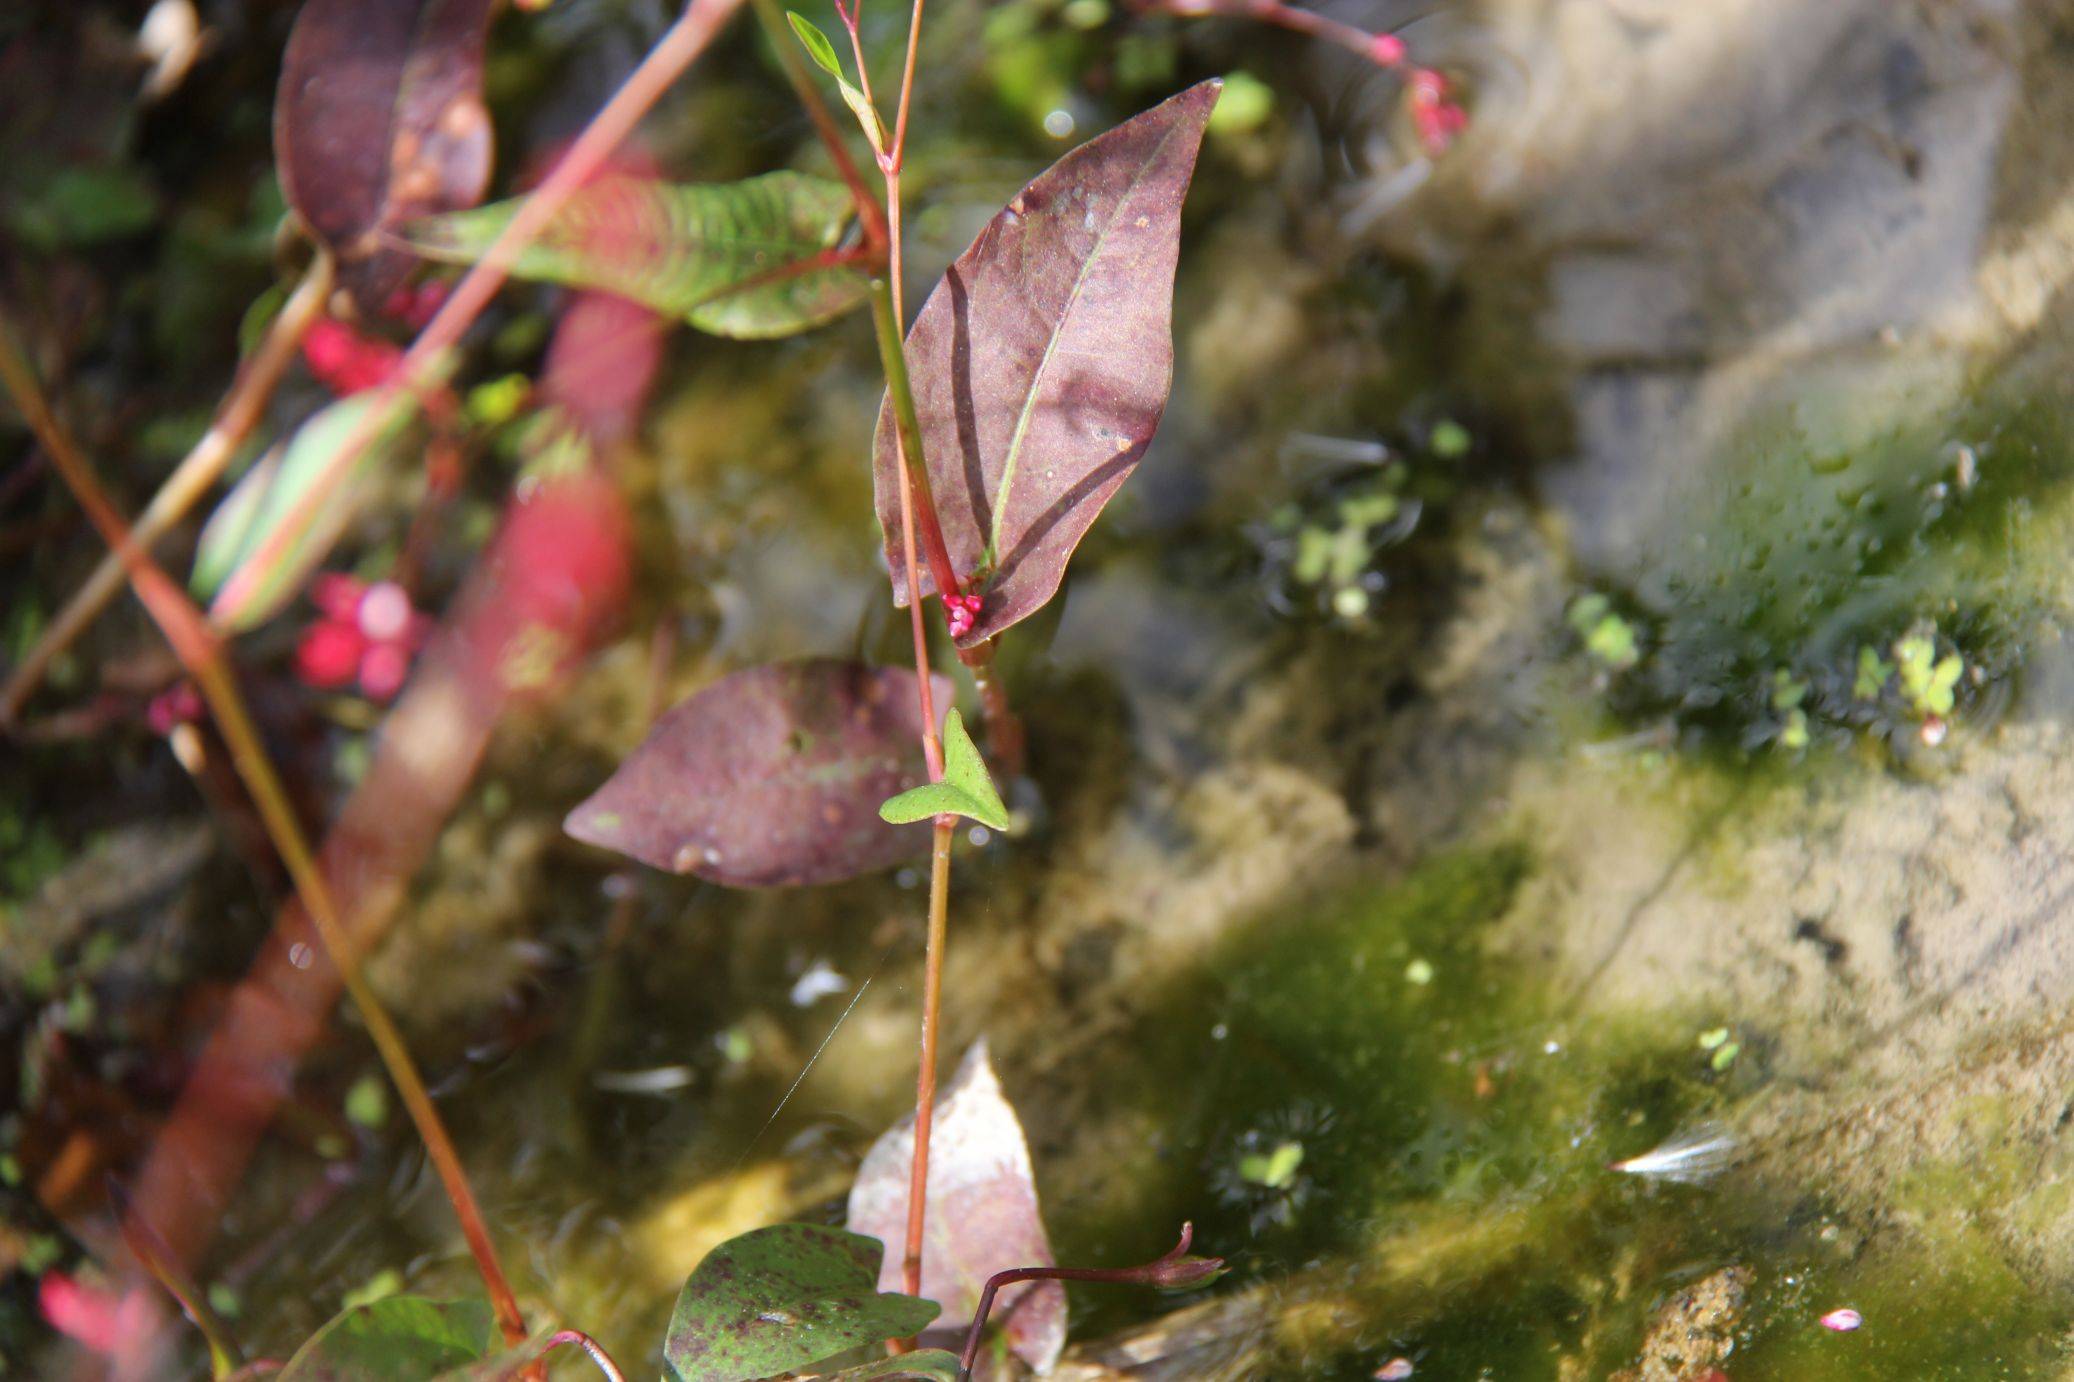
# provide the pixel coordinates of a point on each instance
(369, 633)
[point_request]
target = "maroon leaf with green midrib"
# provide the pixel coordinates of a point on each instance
(771, 777)
(379, 118)
(1041, 363)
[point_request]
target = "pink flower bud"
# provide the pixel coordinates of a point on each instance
(1842, 1321)
(329, 654)
(1387, 50)
(1396, 1370)
(346, 362)
(179, 704)
(382, 670)
(384, 614)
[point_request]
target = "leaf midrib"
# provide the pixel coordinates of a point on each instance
(991, 557)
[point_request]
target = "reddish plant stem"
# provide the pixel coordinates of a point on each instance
(925, 1082)
(1004, 727)
(1171, 1270)
(679, 45)
(907, 440)
(593, 1348)
(200, 652)
(1435, 113)
(235, 418)
(898, 152)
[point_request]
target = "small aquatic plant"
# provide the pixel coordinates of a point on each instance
(990, 461)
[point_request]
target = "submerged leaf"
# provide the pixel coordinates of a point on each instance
(770, 777)
(781, 1298)
(379, 119)
(396, 1337)
(923, 1365)
(966, 789)
(1041, 362)
(983, 1216)
(708, 252)
(251, 520)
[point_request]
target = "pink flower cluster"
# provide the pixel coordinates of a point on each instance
(345, 361)
(961, 613)
(1434, 114)
(369, 633)
(96, 1317)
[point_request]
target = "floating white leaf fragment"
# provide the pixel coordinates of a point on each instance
(1689, 1158)
(1842, 1321)
(817, 983)
(663, 1079)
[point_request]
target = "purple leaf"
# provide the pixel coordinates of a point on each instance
(379, 119)
(983, 1215)
(771, 777)
(1041, 362)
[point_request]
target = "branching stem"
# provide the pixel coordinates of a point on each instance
(235, 418)
(869, 214)
(199, 651)
(673, 52)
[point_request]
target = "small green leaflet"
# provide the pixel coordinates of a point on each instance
(823, 53)
(720, 255)
(966, 789)
(816, 43)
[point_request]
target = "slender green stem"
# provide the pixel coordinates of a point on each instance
(199, 651)
(907, 427)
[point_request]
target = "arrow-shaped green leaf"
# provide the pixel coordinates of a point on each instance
(966, 789)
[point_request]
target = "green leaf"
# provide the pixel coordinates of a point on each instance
(966, 789)
(85, 206)
(266, 500)
(782, 1298)
(399, 1337)
(816, 43)
(706, 252)
(505, 1364)
(927, 1365)
(823, 53)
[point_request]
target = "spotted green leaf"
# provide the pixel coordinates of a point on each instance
(711, 253)
(783, 1298)
(823, 53)
(399, 1336)
(966, 789)
(260, 544)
